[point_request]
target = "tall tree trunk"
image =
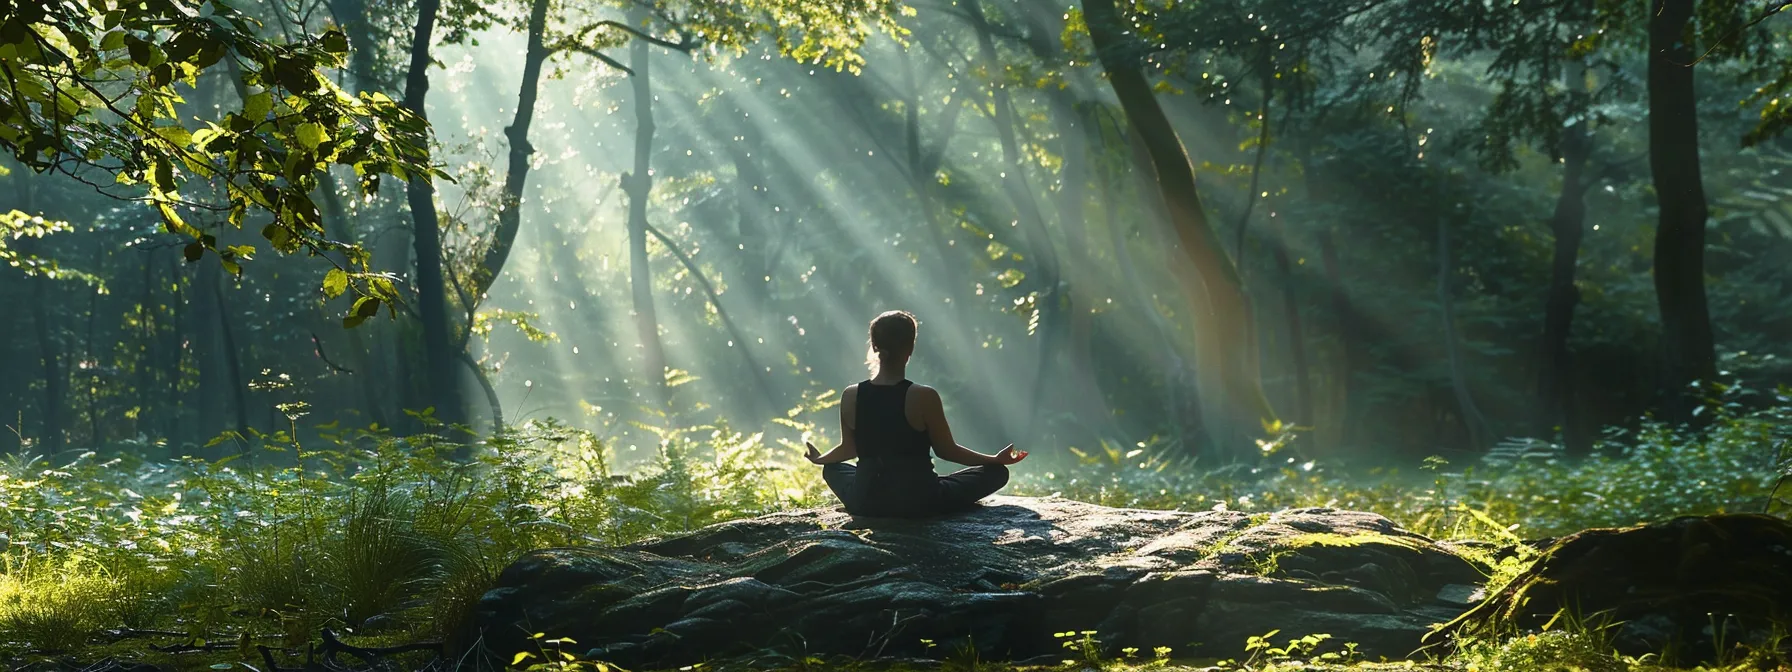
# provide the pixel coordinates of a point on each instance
(352, 16)
(638, 185)
(13, 390)
(492, 403)
(1050, 286)
(51, 436)
(1688, 351)
(1297, 335)
(149, 323)
(517, 173)
(1251, 197)
(1555, 379)
(1089, 403)
(90, 378)
(923, 170)
(1349, 328)
(1182, 405)
(432, 300)
(1478, 434)
(209, 406)
(170, 355)
(1225, 317)
(49, 355)
(233, 364)
(1086, 398)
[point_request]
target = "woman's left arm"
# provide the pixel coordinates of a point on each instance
(848, 447)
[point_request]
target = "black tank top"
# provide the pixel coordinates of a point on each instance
(893, 456)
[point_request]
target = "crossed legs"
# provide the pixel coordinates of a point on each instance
(956, 491)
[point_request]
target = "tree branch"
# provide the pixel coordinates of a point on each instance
(684, 44)
(588, 51)
(710, 291)
(317, 345)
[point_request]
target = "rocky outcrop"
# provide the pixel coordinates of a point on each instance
(1002, 579)
(1690, 587)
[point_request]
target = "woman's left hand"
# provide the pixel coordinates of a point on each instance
(813, 455)
(1010, 456)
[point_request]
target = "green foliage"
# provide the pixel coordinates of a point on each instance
(16, 225)
(1081, 644)
(94, 86)
(1262, 653)
(377, 532)
(371, 531)
(1524, 489)
(57, 601)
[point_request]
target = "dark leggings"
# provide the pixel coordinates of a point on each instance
(956, 491)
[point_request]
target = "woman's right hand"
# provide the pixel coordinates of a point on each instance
(1009, 455)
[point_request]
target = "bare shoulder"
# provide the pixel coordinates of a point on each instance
(924, 394)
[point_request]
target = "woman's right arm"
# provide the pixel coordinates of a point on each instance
(939, 433)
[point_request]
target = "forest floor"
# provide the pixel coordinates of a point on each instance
(378, 534)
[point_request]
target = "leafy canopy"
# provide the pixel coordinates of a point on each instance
(90, 86)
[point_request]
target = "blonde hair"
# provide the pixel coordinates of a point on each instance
(892, 336)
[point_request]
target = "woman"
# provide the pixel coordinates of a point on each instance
(889, 423)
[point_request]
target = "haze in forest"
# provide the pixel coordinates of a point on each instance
(1390, 216)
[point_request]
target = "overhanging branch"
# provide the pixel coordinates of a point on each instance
(588, 51)
(684, 43)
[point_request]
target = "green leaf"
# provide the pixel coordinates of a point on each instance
(335, 42)
(203, 137)
(162, 175)
(194, 251)
(520, 657)
(258, 105)
(172, 221)
(311, 134)
(335, 283)
(139, 49)
(178, 135)
(367, 306)
(295, 74)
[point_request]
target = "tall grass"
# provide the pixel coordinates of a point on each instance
(1523, 488)
(373, 532)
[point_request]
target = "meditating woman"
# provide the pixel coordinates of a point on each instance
(889, 423)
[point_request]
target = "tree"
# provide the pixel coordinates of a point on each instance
(803, 30)
(439, 356)
(1678, 36)
(1221, 309)
(93, 90)
(1688, 349)
(1547, 95)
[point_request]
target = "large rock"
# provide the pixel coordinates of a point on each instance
(1002, 579)
(1691, 586)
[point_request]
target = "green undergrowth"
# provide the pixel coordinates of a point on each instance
(1571, 648)
(394, 539)
(1520, 490)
